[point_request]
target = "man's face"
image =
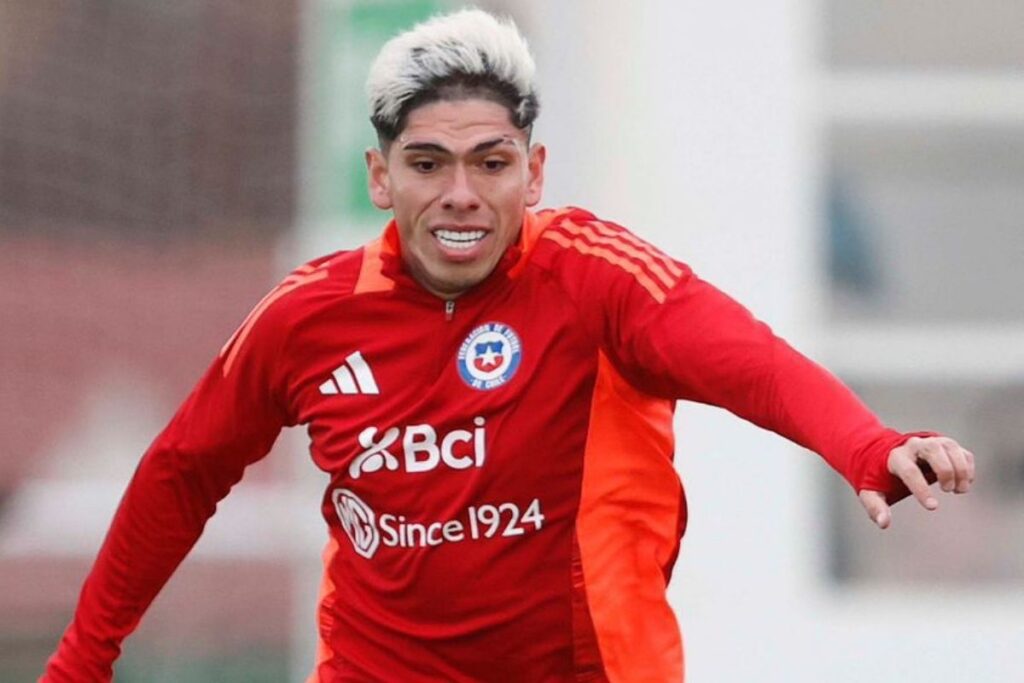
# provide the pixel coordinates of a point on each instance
(458, 180)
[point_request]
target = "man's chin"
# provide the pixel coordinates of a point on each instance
(452, 284)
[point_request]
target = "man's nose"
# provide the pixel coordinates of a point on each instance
(460, 195)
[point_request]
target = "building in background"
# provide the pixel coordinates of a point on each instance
(147, 165)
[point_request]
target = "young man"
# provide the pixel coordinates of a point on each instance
(491, 391)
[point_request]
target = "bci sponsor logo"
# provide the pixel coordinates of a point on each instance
(423, 449)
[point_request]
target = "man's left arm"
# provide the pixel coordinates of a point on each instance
(699, 344)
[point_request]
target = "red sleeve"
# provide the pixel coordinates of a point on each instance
(674, 335)
(703, 346)
(231, 419)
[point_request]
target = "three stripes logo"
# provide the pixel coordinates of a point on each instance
(351, 377)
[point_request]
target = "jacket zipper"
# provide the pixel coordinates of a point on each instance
(449, 309)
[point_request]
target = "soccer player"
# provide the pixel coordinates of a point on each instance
(491, 391)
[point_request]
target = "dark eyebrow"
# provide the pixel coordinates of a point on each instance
(439, 149)
(426, 147)
(489, 144)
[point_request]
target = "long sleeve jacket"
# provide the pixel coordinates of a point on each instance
(503, 503)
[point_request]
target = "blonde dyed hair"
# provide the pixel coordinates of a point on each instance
(469, 53)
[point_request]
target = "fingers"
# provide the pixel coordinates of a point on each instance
(963, 466)
(931, 451)
(905, 467)
(952, 464)
(877, 509)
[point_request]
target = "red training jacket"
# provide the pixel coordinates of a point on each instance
(503, 504)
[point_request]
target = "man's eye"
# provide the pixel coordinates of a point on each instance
(495, 164)
(424, 165)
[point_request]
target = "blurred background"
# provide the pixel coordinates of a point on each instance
(851, 170)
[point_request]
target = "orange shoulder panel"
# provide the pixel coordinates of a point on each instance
(371, 271)
(534, 225)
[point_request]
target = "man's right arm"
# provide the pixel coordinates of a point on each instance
(230, 420)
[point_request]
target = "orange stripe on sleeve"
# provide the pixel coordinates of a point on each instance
(611, 257)
(631, 515)
(290, 284)
(669, 264)
(618, 241)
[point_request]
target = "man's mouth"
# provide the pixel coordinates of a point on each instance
(460, 240)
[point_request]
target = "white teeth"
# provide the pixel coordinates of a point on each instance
(456, 239)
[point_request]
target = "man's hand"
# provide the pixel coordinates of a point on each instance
(952, 463)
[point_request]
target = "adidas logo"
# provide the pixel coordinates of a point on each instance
(351, 377)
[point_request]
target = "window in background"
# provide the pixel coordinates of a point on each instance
(923, 213)
(926, 223)
(911, 34)
(920, 546)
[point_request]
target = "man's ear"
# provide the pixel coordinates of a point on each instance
(379, 183)
(535, 183)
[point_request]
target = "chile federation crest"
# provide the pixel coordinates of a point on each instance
(489, 357)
